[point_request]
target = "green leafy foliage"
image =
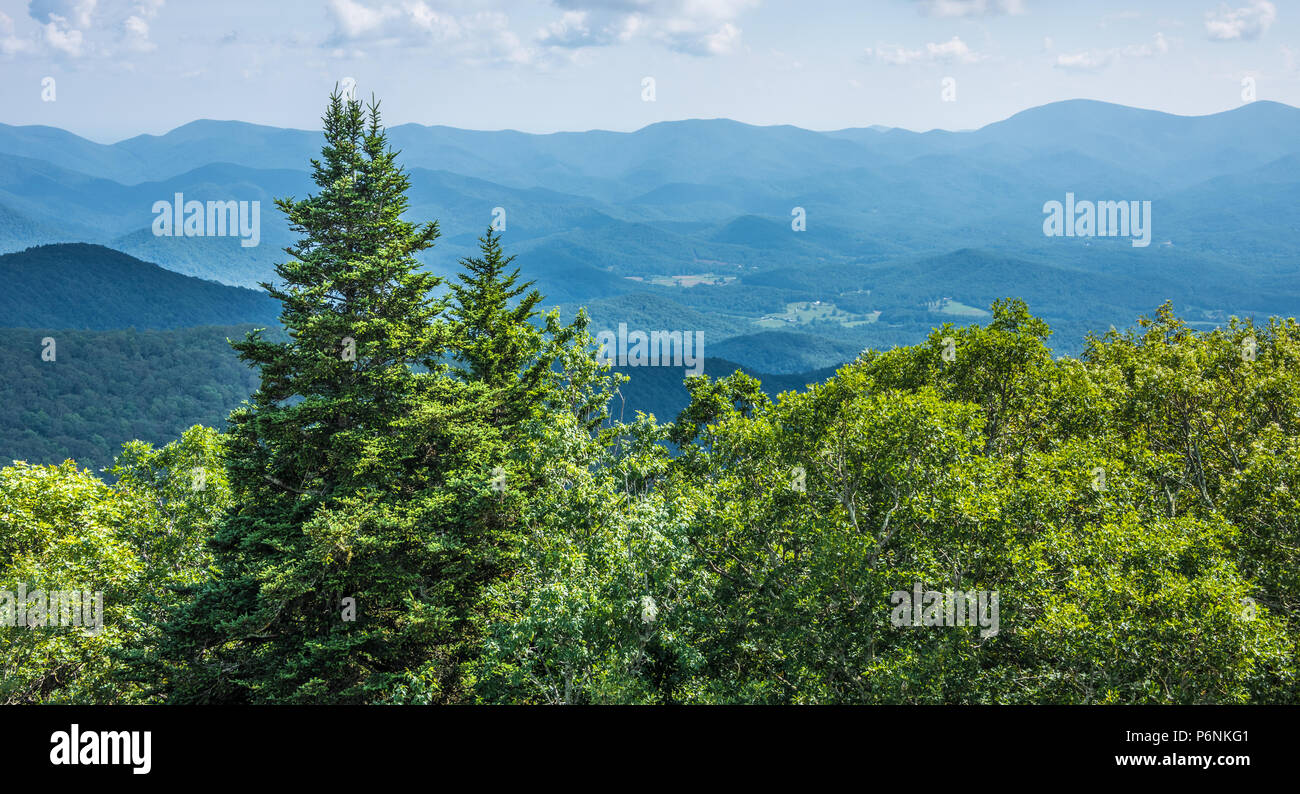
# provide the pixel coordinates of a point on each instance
(62, 529)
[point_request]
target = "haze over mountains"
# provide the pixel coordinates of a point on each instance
(688, 225)
(101, 348)
(896, 220)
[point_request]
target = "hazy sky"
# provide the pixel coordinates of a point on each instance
(124, 67)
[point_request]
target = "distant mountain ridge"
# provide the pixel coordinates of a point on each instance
(89, 287)
(893, 219)
(1058, 125)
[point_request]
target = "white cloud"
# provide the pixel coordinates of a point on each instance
(722, 41)
(695, 27)
(1096, 60)
(85, 28)
(62, 23)
(73, 14)
(953, 51)
(57, 35)
(690, 36)
(137, 34)
(570, 30)
(1236, 24)
(9, 43)
(356, 20)
(408, 23)
(970, 8)
(136, 26)
(574, 29)
(480, 38)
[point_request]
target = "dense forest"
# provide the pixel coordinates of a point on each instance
(106, 386)
(91, 287)
(429, 500)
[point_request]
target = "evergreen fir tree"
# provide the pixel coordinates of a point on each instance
(364, 525)
(497, 343)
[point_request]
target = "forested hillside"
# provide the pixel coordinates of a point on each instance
(91, 287)
(105, 388)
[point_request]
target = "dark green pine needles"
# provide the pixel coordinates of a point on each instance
(365, 528)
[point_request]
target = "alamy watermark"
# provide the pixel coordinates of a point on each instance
(948, 608)
(93, 748)
(40, 609)
(1099, 219)
(181, 218)
(654, 349)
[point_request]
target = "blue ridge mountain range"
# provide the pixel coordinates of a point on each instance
(910, 217)
(687, 225)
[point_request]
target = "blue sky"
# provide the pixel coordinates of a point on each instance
(124, 67)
